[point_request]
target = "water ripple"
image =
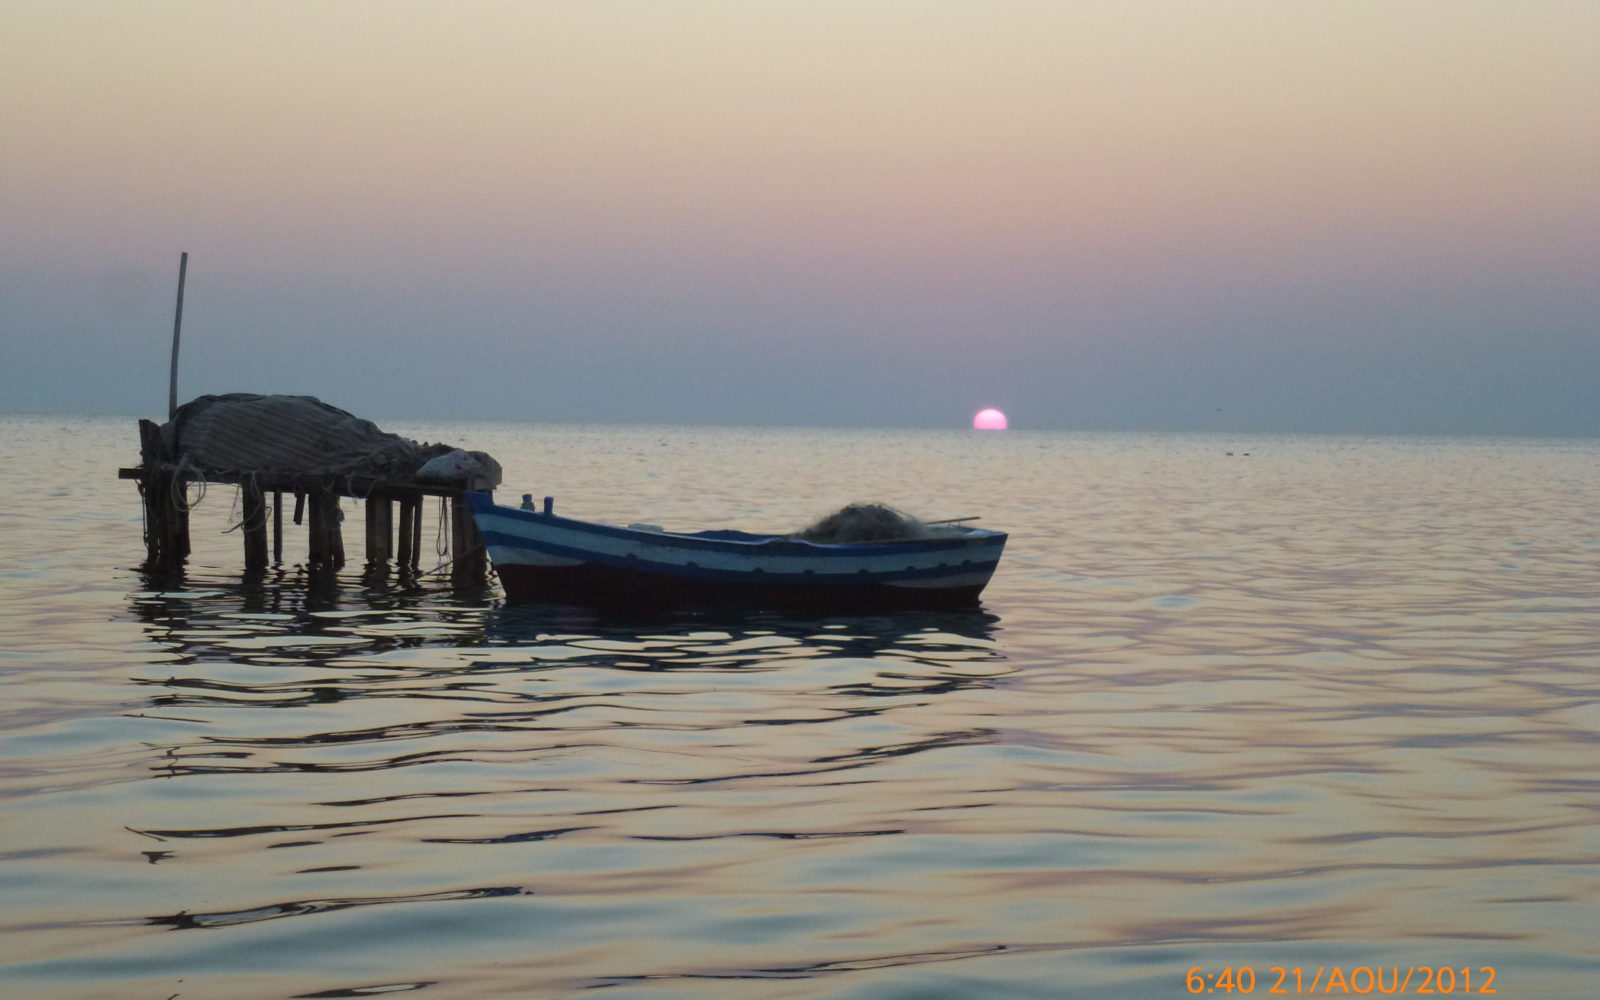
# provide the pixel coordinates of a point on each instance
(304, 907)
(1338, 704)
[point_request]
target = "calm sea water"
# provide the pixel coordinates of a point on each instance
(1318, 703)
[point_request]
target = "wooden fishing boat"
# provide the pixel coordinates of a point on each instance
(539, 555)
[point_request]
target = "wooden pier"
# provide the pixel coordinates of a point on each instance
(164, 479)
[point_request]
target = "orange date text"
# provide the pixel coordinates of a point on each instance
(1338, 980)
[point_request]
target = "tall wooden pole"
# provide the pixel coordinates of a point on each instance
(177, 327)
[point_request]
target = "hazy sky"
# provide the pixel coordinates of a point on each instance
(1342, 215)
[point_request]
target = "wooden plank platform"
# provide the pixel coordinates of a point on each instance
(353, 487)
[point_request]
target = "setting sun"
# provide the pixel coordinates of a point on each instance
(989, 420)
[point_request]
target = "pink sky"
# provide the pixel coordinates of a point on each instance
(1085, 189)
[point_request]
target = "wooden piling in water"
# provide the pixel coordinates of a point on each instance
(470, 556)
(158, 515)
(277, 527)
(416, 534)
(456, 541)
(326, 546)
(335, 530)
(166, 517)
(403, 559)
(316, 538)
(155, 508)
(254, 526)
(386, 524)
(163, 479)
(380, 529)
(370, 543)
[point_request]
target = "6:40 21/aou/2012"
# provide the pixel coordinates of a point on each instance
(1361, 980)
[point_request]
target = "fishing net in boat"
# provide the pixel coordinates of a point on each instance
(865, 522)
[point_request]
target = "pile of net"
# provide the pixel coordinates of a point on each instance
(244, 432)
(865, 522)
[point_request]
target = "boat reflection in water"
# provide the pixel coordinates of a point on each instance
(375, 666)
(379, 742)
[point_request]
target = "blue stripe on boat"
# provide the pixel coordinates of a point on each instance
(513, 543)
(483, 503)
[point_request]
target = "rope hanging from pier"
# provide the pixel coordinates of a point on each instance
(183, 474)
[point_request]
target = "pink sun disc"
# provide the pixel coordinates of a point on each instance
(989, 420)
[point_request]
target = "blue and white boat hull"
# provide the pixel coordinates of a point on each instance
(540, 556)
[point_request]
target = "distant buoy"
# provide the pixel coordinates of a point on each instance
(989, 420)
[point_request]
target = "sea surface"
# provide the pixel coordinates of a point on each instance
(1310, 704)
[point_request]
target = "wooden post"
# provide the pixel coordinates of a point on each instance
(386, 527)
(457, 548)
(159, 516)
(405, 557)
(416, 532)
(326, 549)
(254, 525)
(370, 543)
(277, 527)
(336, 530)
(315, 553)
(380, 529)
(150, 483)
(166, 521)
(179, 498)
(172, 518)
(152, 521)
(319, 549)
(478, 549)
(470, 565)
(177, 327)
